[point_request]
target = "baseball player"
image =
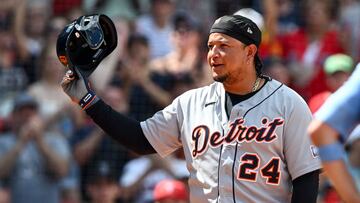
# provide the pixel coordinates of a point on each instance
(331, 128)
(244, 136)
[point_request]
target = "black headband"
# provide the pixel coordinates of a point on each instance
(238, 27)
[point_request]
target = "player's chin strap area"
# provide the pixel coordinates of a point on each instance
(332, 152)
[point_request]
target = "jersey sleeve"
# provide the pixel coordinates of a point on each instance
(343, 105)
(299, 152)
(163, 129)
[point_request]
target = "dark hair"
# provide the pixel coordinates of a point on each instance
(258, 64)
(100, 169)
(183, 21)
(24, 100)
(137, 38)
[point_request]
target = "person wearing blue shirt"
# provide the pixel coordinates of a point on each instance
(329, 130)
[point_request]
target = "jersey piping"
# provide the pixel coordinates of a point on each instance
(236, 146)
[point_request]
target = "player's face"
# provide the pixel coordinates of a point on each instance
(228, 58)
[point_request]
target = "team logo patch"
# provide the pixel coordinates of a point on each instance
(314, 151)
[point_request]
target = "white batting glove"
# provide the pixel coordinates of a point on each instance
(78, 89)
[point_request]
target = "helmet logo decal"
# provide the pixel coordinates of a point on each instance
(63, 60)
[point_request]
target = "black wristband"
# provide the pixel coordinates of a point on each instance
(87, 99)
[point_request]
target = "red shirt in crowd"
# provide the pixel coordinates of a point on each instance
(294, 47)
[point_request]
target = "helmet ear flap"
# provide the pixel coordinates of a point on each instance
(110, 34)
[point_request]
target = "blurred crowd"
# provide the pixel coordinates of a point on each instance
(50, 151)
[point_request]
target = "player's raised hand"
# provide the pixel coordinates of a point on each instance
(78, 89)
(74, 87)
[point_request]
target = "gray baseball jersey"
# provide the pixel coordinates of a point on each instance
(252, 156)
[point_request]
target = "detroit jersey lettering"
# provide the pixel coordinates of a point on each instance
(262, 144)
(237, 132)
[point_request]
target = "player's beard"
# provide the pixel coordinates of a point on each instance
(221, 78)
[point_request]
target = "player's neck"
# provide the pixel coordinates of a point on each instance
(244, 87)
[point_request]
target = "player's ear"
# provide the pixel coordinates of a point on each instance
(250, 52)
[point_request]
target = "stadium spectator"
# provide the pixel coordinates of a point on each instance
(103, 186)
(13, 78)
(349, 20)
(142, 173)
(47, 93)
(63, 7)
(91, 146)
(171, 191)
(30, 28)
(184, 63)
(276, 68)
(306, 49)
(338, 68)
(32, 161)
(156, 26)
(148, 89)
(112, 8)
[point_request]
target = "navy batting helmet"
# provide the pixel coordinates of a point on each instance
(85, 42)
